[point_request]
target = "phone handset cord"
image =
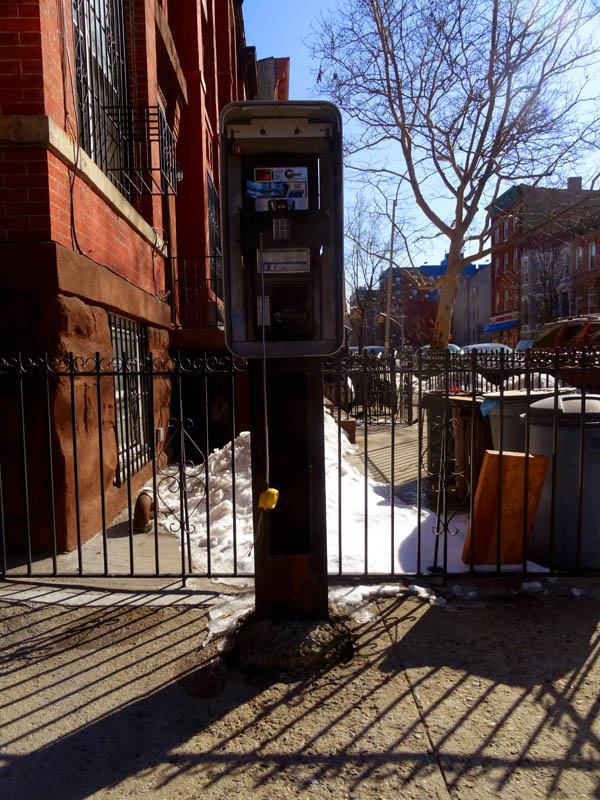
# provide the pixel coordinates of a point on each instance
(268, 498)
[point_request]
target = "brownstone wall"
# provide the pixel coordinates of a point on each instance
(83, 462)
(58, 319)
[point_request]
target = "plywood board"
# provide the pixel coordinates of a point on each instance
(485, 515)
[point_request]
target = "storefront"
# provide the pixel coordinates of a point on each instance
(504, 328)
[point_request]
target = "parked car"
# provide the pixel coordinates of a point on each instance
(524, 344)
(487, 347)
(489, 365)
(454, 348)
(570, 332)
(573, 333)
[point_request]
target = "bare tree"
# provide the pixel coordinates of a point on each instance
(544, 274)
(471, 94)
(365, 257)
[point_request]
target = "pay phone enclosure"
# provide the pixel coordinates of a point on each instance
(281, 209)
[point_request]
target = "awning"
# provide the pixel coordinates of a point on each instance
(499, 326)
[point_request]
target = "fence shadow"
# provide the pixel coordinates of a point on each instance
(96, 701)
(506, 690)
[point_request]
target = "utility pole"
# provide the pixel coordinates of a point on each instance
(388, 302)
(400, 324)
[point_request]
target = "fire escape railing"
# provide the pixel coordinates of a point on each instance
(144, 149)
(200, 298)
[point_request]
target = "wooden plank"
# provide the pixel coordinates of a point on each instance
(485, 523)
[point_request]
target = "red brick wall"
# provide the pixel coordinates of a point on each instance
(36, 78)
(35, 205)
(35, 197)
(24, 194)
(33, 63)
(585, 278)
(102, 234)
(57, 36)
(21, 58)
(226, 53)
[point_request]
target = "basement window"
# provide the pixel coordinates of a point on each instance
(132, 396)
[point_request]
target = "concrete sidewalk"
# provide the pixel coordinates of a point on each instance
(492, 697)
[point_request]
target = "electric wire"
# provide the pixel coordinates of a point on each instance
(74, 134)
(264, 361)
(261, 513)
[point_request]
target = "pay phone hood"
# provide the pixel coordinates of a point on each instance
(285, 119)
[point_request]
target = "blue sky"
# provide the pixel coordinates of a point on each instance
(279, 28)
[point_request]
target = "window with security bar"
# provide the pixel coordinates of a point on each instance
(101, 71)
(133, 145)
(133, 412)
(215, 309)
(214, 236)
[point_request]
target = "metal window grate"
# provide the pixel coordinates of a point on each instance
(134, 146)
(147, 148)
(133, 413)
(214, 233)
(200, 298)
(101, 76)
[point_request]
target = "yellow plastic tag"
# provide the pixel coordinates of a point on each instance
(268, 499)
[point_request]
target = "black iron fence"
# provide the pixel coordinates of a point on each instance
(436, 462)
(200, 298)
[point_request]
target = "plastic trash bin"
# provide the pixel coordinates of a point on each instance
(466, 419)
(514, 405)
(566, 487)
(433, 403)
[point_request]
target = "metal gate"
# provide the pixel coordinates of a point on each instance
(140, 467)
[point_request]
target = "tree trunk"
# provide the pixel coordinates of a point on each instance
(443, 320)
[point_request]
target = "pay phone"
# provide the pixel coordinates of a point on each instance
(281, 210)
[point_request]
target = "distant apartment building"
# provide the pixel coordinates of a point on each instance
(415, 297)
(584, 264)
(413, 304)
(532, 233)
(471, 312)
(361, 318)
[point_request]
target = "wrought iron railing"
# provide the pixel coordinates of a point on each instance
(408, 500)
(200, 298)
(145, 144)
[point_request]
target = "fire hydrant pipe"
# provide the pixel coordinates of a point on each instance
(141, 515)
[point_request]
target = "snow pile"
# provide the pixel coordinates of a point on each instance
(359, 548)
(425, 593)
(224, 615)
(352, 601)
(537, 380)
(354, 498)
(219, 516)
(350, 500)
(356, 601)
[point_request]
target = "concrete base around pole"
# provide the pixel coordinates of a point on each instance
(297, 647)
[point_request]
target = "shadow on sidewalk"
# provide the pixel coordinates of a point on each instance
(510, 692)
(100, 698)
(501, 700)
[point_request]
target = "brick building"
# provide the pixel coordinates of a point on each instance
(415, 299)
(471, 311)
(109, 219)
(585, 270)
(532, 231)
